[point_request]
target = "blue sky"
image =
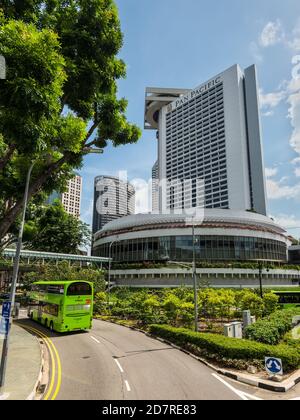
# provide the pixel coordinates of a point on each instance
(182, 43)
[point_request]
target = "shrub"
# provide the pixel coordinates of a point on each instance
(218, 346)
(271, 329)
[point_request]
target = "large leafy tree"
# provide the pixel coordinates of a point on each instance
(52, 229)
(60, 96)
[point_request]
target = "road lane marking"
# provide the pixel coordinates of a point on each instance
(127, 386)
(54, 360)
(241, 394)
(53, 368)
(295, 399)
(119, 366)
(95, 339)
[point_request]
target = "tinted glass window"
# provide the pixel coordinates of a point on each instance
(76, 289)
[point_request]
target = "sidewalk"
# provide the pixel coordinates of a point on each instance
(23, 367)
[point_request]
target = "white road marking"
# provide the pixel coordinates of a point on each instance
(4, 396)
(241, 394)
(127, 386)
(295, 399)
(95, 339)
(119, 366)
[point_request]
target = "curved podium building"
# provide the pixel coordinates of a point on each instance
(223, 235)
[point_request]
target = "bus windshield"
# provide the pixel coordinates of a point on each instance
(79, 289)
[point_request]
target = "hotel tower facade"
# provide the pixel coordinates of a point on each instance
(209, 143)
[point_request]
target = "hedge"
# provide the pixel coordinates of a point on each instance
(272, 329)
(229, 348)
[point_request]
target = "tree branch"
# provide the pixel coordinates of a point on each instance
(90, 133)
(10, 216)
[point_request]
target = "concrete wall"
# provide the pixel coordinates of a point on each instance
(223, 278)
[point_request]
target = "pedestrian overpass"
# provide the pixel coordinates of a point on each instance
(39, 257)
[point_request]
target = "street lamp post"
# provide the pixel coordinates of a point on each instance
(260, 269)
(195, 280)
(14, 280)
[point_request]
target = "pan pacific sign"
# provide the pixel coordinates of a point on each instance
(2, 67)
(194, 93)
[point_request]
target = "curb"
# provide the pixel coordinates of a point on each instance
(32, 395)
(258, 383)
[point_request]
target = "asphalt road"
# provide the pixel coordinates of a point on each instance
(111, 362)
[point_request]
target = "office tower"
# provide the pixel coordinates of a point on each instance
(210, 134)
(113, 198)
(71, 199)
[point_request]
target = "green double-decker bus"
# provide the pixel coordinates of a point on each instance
(62, 306)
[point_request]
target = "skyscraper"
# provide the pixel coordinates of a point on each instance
(113, 198)
(71, 199)
(211, 133)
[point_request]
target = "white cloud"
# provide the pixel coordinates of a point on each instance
(272, 34)
(270, 172)
(271, 100)
(268, 114)
(287, 221)
(297, 172)
(294, 43)
(277, 190)
(294, 112)
(295, 161)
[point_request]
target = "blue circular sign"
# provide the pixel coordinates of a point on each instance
(273, 365)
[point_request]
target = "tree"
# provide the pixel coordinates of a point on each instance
(270, 303)
(64, 272)
(251, 301)
(60, 95)
(52, 229)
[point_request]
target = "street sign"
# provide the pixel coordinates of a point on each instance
(4, 326)
(6, 309)
(273, 366)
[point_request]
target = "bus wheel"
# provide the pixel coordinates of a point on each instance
(51, 326)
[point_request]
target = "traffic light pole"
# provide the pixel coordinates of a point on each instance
(195, 281)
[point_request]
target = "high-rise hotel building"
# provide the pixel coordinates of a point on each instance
(209, 143)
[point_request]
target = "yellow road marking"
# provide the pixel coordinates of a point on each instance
(50, 344)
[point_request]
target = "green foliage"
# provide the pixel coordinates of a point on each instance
(100, 303)
(60, 95)
(270, 303)
(52, 229)
(176, 306)
(64, 272)
(271, 330)
(251, 301)
(228, 348)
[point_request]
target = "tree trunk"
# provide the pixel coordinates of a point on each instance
(11, 215)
